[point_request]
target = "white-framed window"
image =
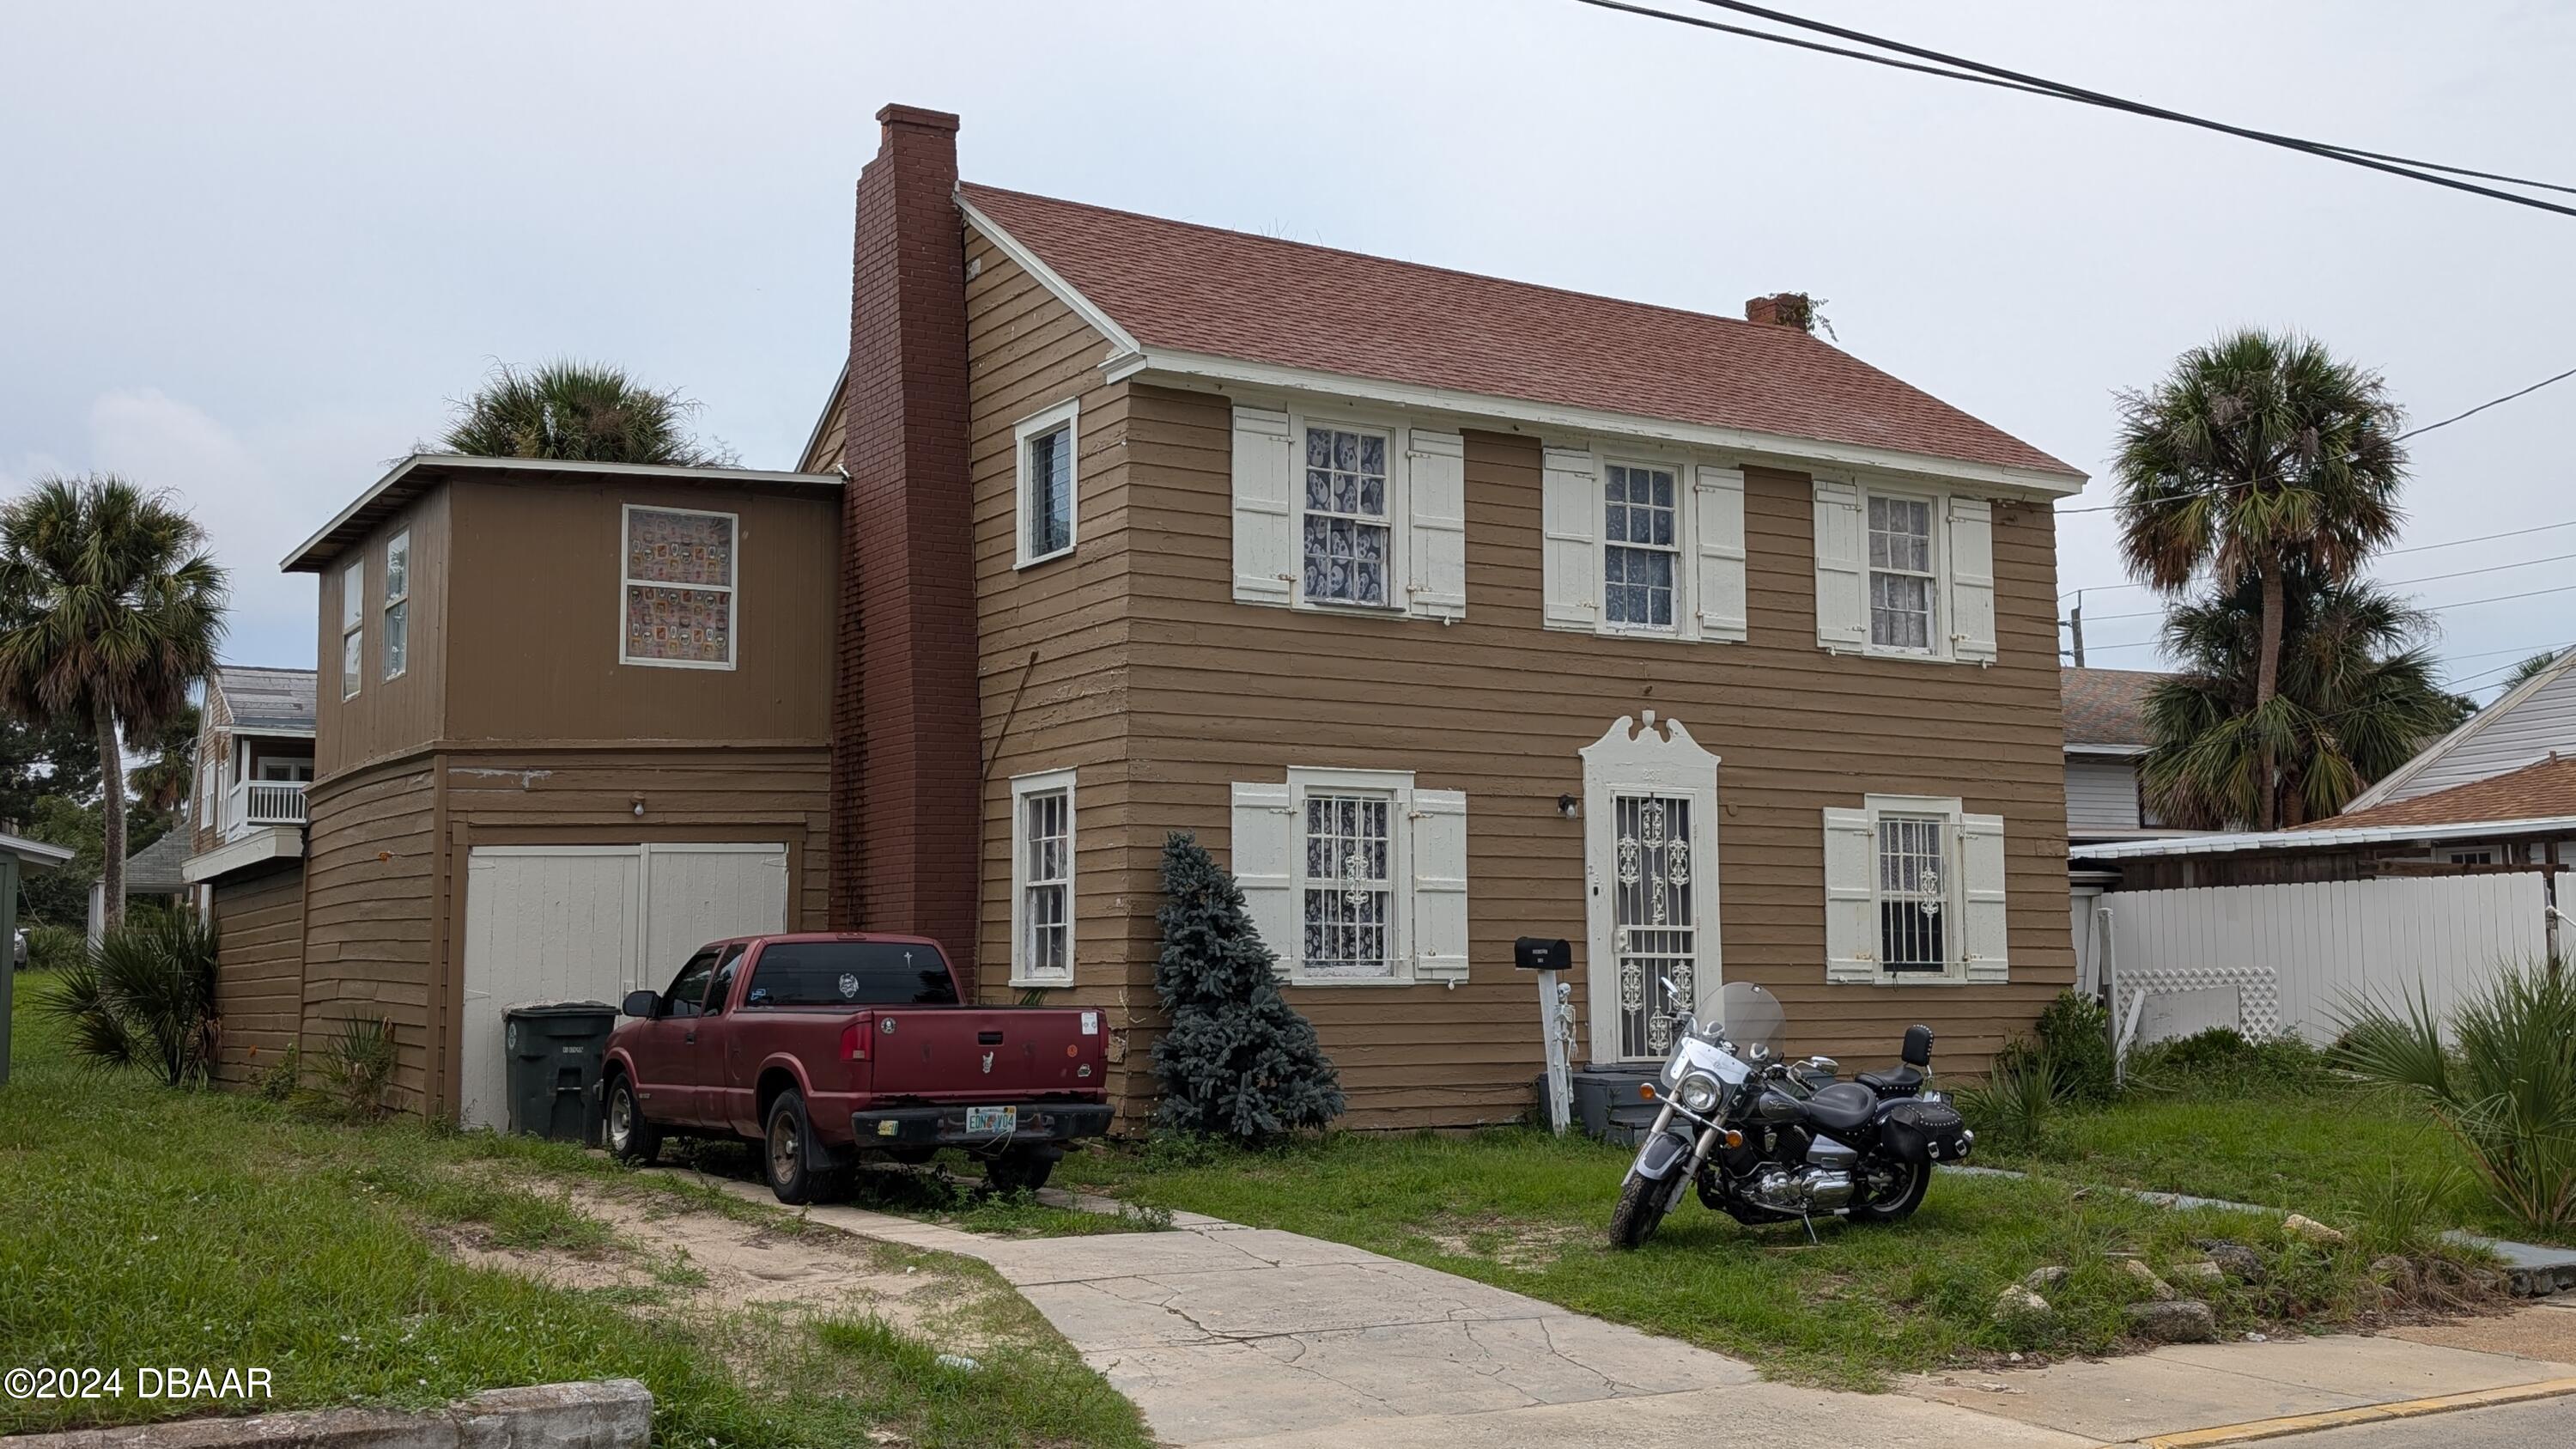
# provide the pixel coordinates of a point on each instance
(353, 626)
(2472, 857)
(1346, 515)
(1355, 877)
(397, 604)
(1904, 572)
(1914, 892)
(1643, 543)
(1042, 879)
(1903, 579)
(677, 603)
(1047, 443)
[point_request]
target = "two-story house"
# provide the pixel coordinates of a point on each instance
(1444, 609)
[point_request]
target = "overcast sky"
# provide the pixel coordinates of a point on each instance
(249, 252)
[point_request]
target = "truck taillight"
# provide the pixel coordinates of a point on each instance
(854, 1043)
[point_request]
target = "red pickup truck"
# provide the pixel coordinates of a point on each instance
(822, 1048)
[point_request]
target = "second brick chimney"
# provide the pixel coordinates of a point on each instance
(905, 727)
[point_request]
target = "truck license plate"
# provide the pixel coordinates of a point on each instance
(992, 1119)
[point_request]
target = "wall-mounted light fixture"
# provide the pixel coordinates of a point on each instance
(639, 807)
(1569, 807)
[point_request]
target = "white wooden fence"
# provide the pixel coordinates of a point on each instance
(2277, 958)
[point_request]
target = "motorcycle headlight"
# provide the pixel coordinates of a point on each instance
(1700, 1093)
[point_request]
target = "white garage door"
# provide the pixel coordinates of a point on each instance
(591, 923)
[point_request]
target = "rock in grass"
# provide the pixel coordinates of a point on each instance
(2236, 1260)
(2201, 1272)
(2311, 1230)
(2039, 1279)
(2146, 1278)
(2018, 1305)
(2182, 1320)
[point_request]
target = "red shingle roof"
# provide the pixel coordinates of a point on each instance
(1259, 299)
(2539, 791)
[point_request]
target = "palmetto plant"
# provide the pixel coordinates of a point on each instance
(2506, 1088)
(2355, 699)
(110, 608)
(145, 996)
(2255, 456)
(584, 412)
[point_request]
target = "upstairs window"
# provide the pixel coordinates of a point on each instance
(1047, 444)
(397, 604)
(353, 626)
(1348, 532)
(1641, 549)
(678, 591)
(1901, 577)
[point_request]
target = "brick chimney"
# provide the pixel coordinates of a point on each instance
(905, 732)
(1780, 309)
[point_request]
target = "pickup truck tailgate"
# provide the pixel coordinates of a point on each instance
(1004, 1052)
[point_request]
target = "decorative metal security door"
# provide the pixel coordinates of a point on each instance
(1654, 922)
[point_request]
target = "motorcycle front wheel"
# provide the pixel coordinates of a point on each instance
(1640, 1212)
(1899, 1198)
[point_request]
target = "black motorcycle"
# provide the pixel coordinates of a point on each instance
(1770, 1141)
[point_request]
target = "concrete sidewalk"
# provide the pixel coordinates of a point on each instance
(1248, 1337)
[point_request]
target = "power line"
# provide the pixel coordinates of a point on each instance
(2434, 609)
(2017, 80)
(2386, 553)
(2383, 583)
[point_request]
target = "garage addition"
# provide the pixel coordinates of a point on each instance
(591, 923)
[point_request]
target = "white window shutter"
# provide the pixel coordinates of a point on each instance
(1851, 901)
(1983, 928)
(1436, 509)
(1571, 518)
(1439, 820)
(1972, 579)
(1842, 567)
(1265, 545)
(1265, 854)
(1719, 506)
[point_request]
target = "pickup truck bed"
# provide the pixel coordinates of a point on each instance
(825, 1047)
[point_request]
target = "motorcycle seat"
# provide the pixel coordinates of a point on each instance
(1842, 1107)
(1899, 1081)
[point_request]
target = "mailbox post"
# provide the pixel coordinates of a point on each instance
(1550, 959)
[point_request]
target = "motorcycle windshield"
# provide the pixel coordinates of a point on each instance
(1752, 1019)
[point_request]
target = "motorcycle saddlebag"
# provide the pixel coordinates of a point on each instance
(1912, 1131)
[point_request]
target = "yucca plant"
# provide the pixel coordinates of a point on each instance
(2017, 1101)
(357, 1068)
(2506, 1087)
(145, 996)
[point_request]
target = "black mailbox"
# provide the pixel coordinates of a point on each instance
(1537, 953)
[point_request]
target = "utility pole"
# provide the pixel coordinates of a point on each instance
(2075, 623)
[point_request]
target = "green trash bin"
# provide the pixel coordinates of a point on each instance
(554, 1051)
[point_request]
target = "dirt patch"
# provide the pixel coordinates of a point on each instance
(677, 1260)
(2539, 1331)
(1505, 1241)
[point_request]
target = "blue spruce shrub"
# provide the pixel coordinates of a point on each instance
(1238, 1061)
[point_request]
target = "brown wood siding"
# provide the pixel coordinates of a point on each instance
(1054, 637)
(825, 454)
(1498, 707)
(536, 614)
(259, 965)
(369, 892)
(388, 716)
(588, 797)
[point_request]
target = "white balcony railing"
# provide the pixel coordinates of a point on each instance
(256, 804)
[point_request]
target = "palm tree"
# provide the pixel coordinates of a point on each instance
(163, 781)
(2357, 698)
(580, 411)
(2258, 454)
(110, 607)
(2530, 667)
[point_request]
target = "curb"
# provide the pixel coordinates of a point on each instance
(2249, 1432)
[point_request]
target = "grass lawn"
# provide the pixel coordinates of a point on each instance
(153, 1227)
(1528, 1212)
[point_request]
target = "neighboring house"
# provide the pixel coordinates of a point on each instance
(2428, 880)
(2106, 735)
(1445, 609)
(570, 714)
(254, 753)
(153, 871)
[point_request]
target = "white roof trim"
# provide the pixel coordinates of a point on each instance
(2304, 839)
(2124, 752)
(2466, 731)
(472, 463)
(275, 842)
(831, 405)
(35, 853)
(1122, 343)
(1195, 369)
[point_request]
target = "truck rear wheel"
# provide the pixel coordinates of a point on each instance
(630, 1137)
(1022, 1169)
(787, 1150)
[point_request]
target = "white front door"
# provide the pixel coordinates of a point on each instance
(591, 923)
(1650, 862)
